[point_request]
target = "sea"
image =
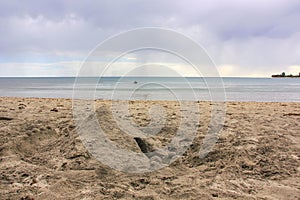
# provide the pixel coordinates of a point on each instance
(154, 88)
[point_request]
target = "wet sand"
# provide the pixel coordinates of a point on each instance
(256, 157)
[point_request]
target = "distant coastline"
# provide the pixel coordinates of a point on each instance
(283, 75)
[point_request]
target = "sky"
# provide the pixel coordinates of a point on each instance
(243, 38)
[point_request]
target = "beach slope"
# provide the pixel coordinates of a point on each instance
(256, 157)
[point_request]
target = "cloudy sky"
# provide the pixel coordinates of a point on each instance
(244, 38)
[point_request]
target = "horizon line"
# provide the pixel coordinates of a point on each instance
(135, 76)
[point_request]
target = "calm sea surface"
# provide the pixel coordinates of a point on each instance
(156, 88)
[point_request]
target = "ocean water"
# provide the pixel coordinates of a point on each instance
(156, 88)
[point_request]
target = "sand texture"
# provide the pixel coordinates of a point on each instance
(256, 157)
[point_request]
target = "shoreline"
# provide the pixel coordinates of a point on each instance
(199, 101)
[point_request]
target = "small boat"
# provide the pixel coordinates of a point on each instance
(135, 82)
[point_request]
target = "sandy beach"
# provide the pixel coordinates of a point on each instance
(256, 157)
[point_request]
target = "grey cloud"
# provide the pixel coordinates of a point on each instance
(244, 33)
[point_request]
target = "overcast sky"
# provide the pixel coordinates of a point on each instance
(244, 38)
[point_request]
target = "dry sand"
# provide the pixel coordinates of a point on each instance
(256, 157)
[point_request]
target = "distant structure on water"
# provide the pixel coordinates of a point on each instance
(283, 75)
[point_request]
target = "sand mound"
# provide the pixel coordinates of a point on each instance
(42, 157)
